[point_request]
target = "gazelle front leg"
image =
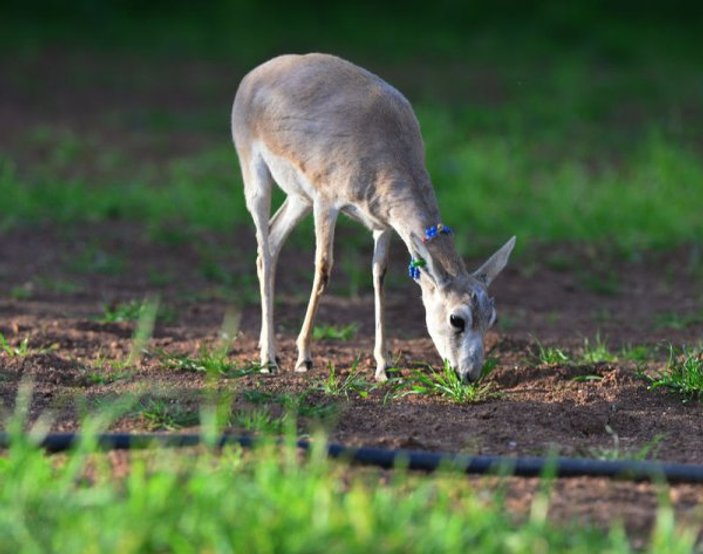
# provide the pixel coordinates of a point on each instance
(381, 241)
(325, 219)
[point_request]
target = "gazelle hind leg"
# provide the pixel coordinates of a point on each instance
(282, 223)
(291, 212)
(381, 240)
(257, 191)
(325, 220)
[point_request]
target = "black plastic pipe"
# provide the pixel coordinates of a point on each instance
(411, 459)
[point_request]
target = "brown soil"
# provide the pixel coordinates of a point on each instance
(56, 282)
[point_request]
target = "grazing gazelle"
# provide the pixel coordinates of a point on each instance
(337, 138)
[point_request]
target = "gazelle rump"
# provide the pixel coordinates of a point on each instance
(337, 138)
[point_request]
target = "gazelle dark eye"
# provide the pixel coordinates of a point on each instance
(457, 322)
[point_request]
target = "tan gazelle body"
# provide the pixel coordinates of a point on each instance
(337, 138)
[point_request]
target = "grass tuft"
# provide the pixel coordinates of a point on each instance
(161, 414)
(678, 321)
(551, 355)
(19, 351)
(353, 384)
(446, 384)
(683, 374)
(120, 312)
(335, 332)
(596, 352)
(210, 361)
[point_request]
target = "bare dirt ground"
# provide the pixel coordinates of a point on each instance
(59, 284)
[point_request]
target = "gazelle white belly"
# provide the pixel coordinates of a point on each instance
(288, 177)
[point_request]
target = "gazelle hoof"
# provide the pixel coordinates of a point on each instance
(303, 365)
(381, 376)
(269, 367)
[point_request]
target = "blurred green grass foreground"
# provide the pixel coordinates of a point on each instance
(555, 121)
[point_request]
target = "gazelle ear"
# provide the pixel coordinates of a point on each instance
(419, 251)
(495, 264)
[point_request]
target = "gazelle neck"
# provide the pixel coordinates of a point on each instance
(411, 225)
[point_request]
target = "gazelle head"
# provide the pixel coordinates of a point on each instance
(459, 311)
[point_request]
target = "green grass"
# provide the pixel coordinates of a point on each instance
(596, 352)
(17, 351)
(268, 500)
(592, 352)
(638, 353)
(22, 292)
(647, 200)
(133, 311)
(335, 332)
(592, 139)
(353, 384)
(160, 414)
(259, 420)
(446, 384)
(211, 361)
(551, 355)
(677, 320)
(120, 312)
(106, 377)
(683, 374)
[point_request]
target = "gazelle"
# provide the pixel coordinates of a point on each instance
(337, 138)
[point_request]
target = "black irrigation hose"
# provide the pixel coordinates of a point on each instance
(410, 459)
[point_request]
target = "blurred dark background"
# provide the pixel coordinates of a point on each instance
(247, 29)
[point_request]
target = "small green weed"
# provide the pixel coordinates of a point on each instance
(551, 355)
(19, 351)
(676, 320)
(210, 361)
(638, 353)
(162, 414)
(58, 286)
(317, 411)
(353, 383)
(256, 396)
(447, 384)
(144, 329)
(213, 361)
(596, 352)
(587, 378)
(107, 377)
(334, 332)
(133, 310)
(120, 312)
(259, 420)
(683, 374)
(22, 292)
(298, 404)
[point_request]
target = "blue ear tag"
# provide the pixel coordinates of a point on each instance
(434, 230)
(414, 267)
